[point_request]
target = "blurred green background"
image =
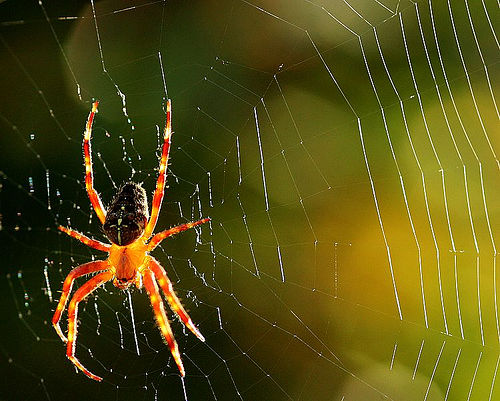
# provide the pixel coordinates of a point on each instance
(347, 153)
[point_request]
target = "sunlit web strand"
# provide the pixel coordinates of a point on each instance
(379, 216)
(427, 129)
(474, 375)
(285, 159)
(246, 89)
(36, 87)
(36, 155)
(471, 90)
(305, 31)
(105, 71)
(452, 374)
(265, 194)
(449, 131)
(471, 220)
(490, 24)
(162, 70)
(56, 38)
(307, 152)
(403, 187)
(434, 370)
(480, 170)
(438, 161)
(485, 67)
(335, 361)
(457, 113)
(418, 359)
(494, 379)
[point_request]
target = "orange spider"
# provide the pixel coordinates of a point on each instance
(128, 226)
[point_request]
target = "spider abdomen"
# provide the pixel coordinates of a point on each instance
(127, 215)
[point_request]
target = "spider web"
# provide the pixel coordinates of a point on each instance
(347, 153)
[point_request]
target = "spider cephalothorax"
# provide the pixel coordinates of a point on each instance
(127, 214)
(129, 227)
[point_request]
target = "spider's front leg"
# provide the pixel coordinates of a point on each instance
(78, 271)
(89, 178)
(160, 183)
(80, 295)
(155, 241)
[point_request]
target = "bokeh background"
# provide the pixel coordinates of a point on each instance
(346, 151)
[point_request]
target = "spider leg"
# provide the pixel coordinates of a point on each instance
(89, 179)
(160, 183)
(161, 317)
(100, 246)
(155, 241)
(172, 299)
(81, 294)
(78, 271)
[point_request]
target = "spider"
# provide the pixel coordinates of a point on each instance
(127, 224)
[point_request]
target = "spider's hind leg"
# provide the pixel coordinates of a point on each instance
(80, 295)
(172, 299)
(161, 317)
(78, 271)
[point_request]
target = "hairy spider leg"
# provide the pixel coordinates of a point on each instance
(157, 238)
(173, 301)
(100, 246)
(161, 317)
(80, 295)
(78, 271)
(160, 183)
(89, 178)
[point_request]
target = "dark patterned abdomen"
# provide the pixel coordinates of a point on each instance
(127, 215)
